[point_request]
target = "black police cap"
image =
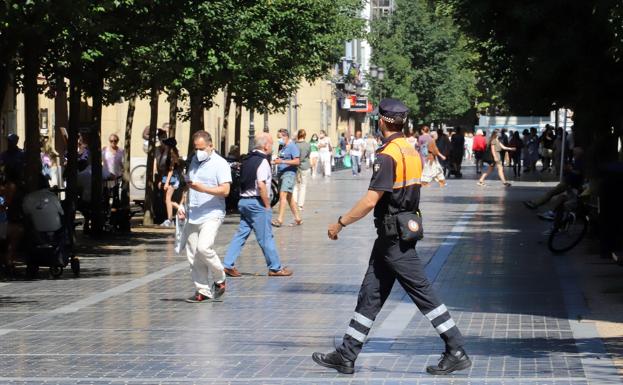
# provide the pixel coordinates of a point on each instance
(393, 111)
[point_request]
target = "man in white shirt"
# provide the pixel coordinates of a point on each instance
(255, 210)
(358, 145)
(208, 179)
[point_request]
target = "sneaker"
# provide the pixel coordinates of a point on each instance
(450, 362)
(530, 204)
(166, 223)
(283, 272)
(547, 215)
(218, 289)
(334, 360)
(197, 298)
(480, 183)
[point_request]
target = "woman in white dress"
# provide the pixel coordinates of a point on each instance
(324, 150)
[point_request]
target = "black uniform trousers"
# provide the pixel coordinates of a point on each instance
(393, 260)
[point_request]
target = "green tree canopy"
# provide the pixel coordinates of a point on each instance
(427, 61)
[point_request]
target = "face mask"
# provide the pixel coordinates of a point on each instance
(281, 141)
(202, 155)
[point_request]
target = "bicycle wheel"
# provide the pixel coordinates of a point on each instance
(567, 233)
(137, 177)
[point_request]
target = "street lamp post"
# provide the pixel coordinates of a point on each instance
(378, 73)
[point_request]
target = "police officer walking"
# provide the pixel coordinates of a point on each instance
(394, 194)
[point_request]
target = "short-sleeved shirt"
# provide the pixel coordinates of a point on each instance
(304, 151)
(264, 174)
(326, 143)
(212, 172)
(399, 194)
(358, 146)
(289, 152)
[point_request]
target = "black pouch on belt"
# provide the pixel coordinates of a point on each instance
(409, 226)
(390, 228)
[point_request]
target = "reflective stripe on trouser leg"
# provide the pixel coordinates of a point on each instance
(375, 288)
(412, 277)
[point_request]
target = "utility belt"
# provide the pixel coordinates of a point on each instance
(406, 226)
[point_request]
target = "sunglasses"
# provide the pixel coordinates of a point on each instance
(114, 141)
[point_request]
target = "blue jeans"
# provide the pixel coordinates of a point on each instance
(354, 159)
(254, 216)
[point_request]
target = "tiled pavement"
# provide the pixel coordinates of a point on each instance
(125, 321)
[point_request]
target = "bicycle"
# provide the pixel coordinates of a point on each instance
(137, 177)
(570, 225)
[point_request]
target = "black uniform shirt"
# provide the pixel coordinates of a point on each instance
(396, 197)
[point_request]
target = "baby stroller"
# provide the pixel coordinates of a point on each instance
(47, 240)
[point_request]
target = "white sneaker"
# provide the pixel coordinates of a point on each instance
(167, 223)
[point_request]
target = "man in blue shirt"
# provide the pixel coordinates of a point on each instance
(209, 180)
(287, 166)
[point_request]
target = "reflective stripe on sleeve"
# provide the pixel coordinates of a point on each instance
(359, 336)
(444, 327)
(439, 310)
(363, 320)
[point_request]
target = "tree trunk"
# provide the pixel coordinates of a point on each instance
(196, 119)
(95, 152)
(61, 116)
(266, 128)
(238, 123)
(127, 156)
(71, 170)
(226, 109)
(148, 218)
(5, 78)
(31, 101)
(251, 131)
(173, 114)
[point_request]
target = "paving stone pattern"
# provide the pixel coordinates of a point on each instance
(127, 321)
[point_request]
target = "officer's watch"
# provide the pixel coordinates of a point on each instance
(339, 221)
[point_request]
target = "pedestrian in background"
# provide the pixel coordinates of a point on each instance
(533, 145)
(287, 166)
(370, 150)
(171, 181)
(112, 159)
(357, 148)
(304, 170)
(503, 138)
(443, 145)
(492, 157)
(547, 148)
(324, 150)
(457, 147)
(432, 168)
(469, 142)
(255, 210)
(518, 145)
(314, 156)
(208, 180)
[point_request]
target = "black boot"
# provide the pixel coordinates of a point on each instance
(450, 362)
(334, 360)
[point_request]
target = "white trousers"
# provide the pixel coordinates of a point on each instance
(301, 186)
(202, 256)
(325, 162)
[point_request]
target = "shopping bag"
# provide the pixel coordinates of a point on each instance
(180, 240)
(347, 162)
